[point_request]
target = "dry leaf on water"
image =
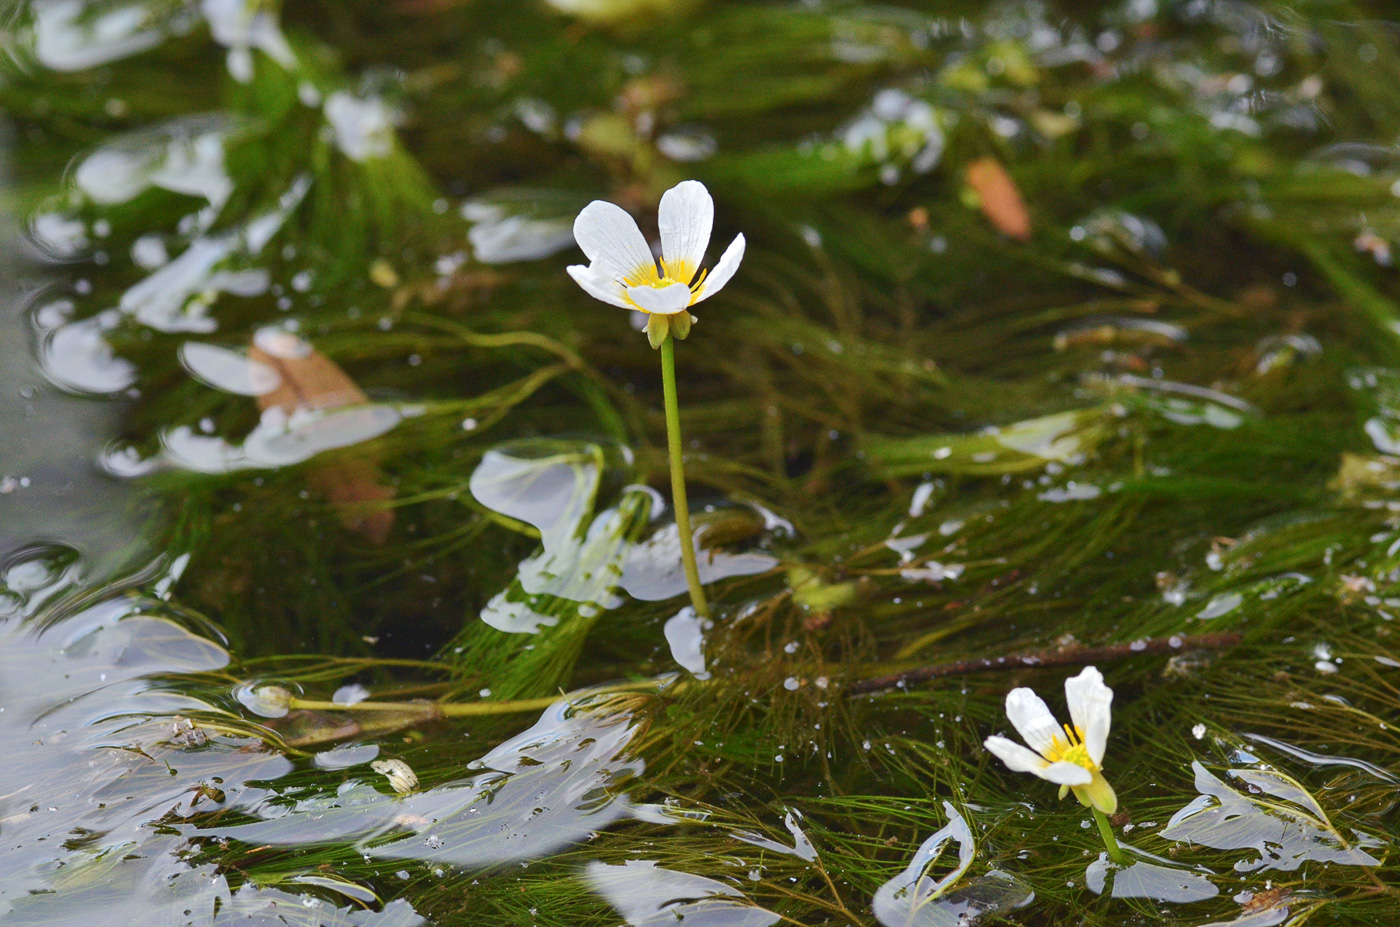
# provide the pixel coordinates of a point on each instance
(998, 198)
(311, 380)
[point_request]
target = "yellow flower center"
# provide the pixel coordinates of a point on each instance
(1071, 750)
(677, 272)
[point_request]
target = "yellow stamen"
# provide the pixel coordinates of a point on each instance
(677, 272)
(680, 272)
(645, 275)
(1071, 750)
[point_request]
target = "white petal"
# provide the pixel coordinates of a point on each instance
(664, 300)
(612, 241)
(687, 214)
(728, 264)
(1032, 720)
(599, 286)
(1067, 774)
(1091, 707)
(1016, 757)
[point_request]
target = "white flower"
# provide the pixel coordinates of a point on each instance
(623, 271)
(1071, 757)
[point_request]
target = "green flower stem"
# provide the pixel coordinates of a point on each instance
(1115, 852)
(673, 440)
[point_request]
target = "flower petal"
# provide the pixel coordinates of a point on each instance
(612, 241)
(1091, 707)
(662, 300)
(1032, 720)
(1069, 774)
(1016, 757)
(599, 286)
(686, 217)
(728, 264)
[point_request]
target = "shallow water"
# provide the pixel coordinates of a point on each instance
(339, 578)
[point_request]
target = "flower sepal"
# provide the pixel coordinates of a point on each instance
(1098, 794)
(660, 326)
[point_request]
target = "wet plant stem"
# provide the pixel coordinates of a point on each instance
(673, 442)
(1076, 655)
(434, 709)
(1115, 852)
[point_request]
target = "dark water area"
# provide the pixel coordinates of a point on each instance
(340, 571)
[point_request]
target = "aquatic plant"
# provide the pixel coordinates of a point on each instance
(1065, 336)
(623, 272)
(1069, 756)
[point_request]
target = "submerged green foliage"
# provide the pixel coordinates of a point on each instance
(915, 435)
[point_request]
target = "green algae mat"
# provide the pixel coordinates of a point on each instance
(341, 575)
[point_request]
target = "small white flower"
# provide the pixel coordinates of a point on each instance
(622, 270)
(1069, 756)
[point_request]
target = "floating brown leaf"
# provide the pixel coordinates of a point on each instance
(998, 198)
(311, 380)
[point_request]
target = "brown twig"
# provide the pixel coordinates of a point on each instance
(1060, 656)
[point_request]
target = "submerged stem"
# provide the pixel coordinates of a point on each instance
(1115, 852)
(434, 709)
(673, 441)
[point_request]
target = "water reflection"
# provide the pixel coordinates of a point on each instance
(82, 704)
(538, 792)
(520, 225)
(590, 556)
(1276, 817)
(74, 35)
(916, 898)
(1142, 878)
(647, 895)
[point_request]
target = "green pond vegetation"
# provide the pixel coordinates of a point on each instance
(1067, 333)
